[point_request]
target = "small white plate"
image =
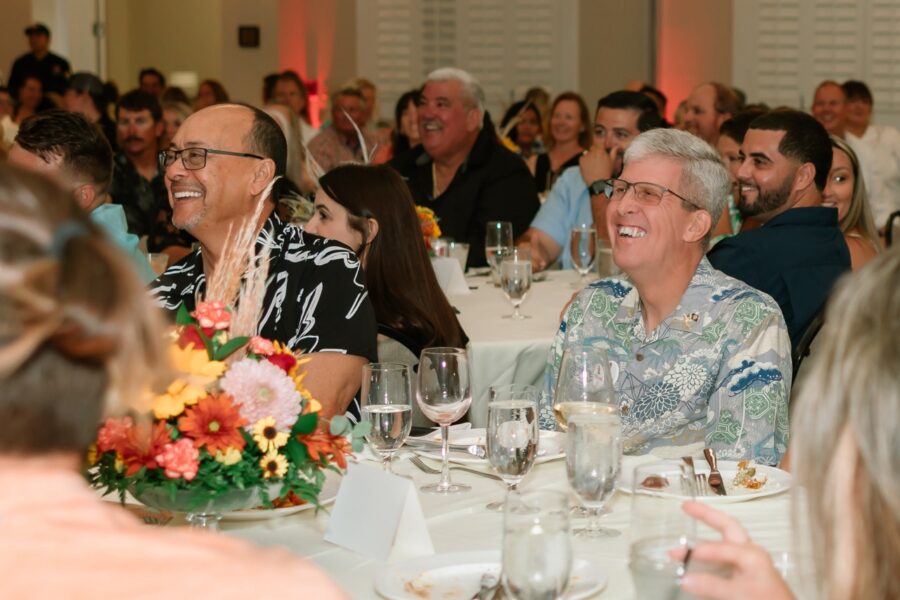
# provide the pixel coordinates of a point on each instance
(458, 576)
(326, 496)
(551, 445)
(778, 481)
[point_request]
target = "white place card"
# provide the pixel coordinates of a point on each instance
(378, 514)
(450, 276)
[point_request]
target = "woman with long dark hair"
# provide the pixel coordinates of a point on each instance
(370, 209)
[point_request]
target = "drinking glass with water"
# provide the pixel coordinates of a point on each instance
(386, 404)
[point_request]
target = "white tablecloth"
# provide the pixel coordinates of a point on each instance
(460, 523)
(506, 351)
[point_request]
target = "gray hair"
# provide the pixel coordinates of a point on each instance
(853, 390)
(704, 179)
(471, 88)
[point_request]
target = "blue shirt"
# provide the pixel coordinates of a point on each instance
(796, 257)
(568, 205)
(717, 370)
(111, 219)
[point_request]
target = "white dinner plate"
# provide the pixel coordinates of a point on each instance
(457, 576)
(551, 445)
(778, 481)
(326, 496)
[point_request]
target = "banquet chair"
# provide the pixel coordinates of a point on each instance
(804, 345)
(889, 228)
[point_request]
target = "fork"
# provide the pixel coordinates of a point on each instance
(432, 471)
(702, 484)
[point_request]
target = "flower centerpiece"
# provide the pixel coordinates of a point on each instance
(235, 429)
(429, 224)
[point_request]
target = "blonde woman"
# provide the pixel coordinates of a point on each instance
(77, 328)
(174, 114)
(846, 191)
(846, 455)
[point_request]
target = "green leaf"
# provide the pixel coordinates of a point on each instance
(183, 317)
(226, 349)
(361, 429)
(296, 452)
(207, 343)
(305, 424)
(340, 425)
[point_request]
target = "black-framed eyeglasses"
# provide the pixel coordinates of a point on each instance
(650, 194)
(195, 158)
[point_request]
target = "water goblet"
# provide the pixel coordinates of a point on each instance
(537, 547)
(444, 396)
(662, 535)
(498, 238)
(385, 403)
(515, 280)
(512, 434)
(583, 246)
(593, 459)
(584, 383)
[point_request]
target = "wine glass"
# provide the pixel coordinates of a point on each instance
(593, 458)
(515, 280)
(444, 396)
(583, 246)
(512, 433)
(497, 238)
(537, 547)
(662, 535)
(584, 383)
(385, 403)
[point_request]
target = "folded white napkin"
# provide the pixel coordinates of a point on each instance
(449, 275)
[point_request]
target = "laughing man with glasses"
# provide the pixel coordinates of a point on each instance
(703, 359)
(224, 162)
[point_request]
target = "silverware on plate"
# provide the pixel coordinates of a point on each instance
(715, 478)
(476, 450)
(418, 462)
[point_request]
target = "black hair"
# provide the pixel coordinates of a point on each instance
(649, 117)
(737, 126)
(90, 84)
(266, 139)
(401, 142)
(805, 139)
(174, 94)
(857, 90)
(153, 72)
(80, 144)
(138, 100)
(269, 82)
(649, 90)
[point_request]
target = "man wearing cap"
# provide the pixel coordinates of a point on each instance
(51, 69)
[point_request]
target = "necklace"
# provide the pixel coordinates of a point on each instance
(435, 190)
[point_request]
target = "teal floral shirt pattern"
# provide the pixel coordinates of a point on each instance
(718, 370)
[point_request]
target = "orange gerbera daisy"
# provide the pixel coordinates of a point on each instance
(321, 444)
(142, 444)
(214, 422)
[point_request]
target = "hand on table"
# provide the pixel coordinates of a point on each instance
(753, 574)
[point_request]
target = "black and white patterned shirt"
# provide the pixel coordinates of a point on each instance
(316, 299)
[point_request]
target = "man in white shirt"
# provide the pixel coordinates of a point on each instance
(883, 145)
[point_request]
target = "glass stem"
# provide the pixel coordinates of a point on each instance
(594, 519)
(445, 457)
(208, 521)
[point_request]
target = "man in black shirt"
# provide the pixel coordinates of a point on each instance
(51, 69)
(221, 164)
(461, 170)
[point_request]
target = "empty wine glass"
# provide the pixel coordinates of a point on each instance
(537, 548)
(498, 238)
(385, 404)
(661, 533)
(593, 458)
(512, 433)
(584, 383)
(583, 246)
(515, 280)
(444, 396)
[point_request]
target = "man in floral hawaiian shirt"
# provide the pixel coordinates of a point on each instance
(703, 359)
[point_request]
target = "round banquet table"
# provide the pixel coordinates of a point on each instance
(505, 351)
(460, 522)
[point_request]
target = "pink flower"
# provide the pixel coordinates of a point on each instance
(261, 346)
(113, 433)
(212, 315)
(263, 390)
(179, 459)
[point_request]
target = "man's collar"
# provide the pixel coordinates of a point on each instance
(480, 153)
(807, 215)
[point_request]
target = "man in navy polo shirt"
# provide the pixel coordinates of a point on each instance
(799, 252)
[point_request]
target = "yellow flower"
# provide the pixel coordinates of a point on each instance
(230, 457)
(92, 455)
(196, 364)
(267, 437)
(273, 464)
(120, 464)
(178, 395)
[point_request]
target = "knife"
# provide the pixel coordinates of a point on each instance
(473, 449)
(715, 478)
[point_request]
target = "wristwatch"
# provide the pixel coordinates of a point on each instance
(598, 187)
